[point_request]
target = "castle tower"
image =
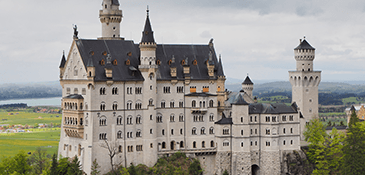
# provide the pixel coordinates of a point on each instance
(148, 68)
(110, 18)
(222, 95)
(305, 83)
(247, 86)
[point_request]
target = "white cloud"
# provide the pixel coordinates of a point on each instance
(255, 36)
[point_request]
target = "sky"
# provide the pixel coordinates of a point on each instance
(255, 37)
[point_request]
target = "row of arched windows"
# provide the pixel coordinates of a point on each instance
(202, 131)
(72, 106)
(202, 104)
(72, 121)
(203, 144)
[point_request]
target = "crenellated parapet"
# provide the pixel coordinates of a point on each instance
(298, 79)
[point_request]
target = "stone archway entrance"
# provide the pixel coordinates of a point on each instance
(255, 170)
(172, 145)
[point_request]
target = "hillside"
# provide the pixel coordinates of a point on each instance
(30, 90)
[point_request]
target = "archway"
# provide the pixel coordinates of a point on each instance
(255, 170)
(172, 145)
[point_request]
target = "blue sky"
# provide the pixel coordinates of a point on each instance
(253, 36)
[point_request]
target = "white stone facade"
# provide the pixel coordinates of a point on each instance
(152, 116)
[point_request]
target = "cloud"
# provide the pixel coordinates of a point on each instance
(206, 34)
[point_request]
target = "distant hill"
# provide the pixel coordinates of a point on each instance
(30, 90)
(282, 86)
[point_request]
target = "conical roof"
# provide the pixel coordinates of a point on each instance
(240, 101)
(63, 61)
(147, 34)
(304, 45)
(115, 2)
(352, 108)
(220, 68)
(247, 81)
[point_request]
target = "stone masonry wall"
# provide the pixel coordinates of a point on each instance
(222, 162)
(270, 163)
(241, 163)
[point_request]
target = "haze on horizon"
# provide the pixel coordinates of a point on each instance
(253, 36)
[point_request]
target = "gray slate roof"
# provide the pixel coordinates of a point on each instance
(220, 68)
(147, 34)
(275, 108)
(240, 101)
(75, 96)
(119, 49)
(224, 120)
(63, 61)
(115, 2)
(304, 45)
(247, 81)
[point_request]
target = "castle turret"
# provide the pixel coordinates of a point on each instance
(247, 86)
(110, 18)
(305, 83)
(62, 65)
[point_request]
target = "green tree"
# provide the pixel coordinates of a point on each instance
(354, 147)
(316, 135)
(54, 164)
(132, 170)
(94, 168)
(195, 168)
(74, 168)
(123, 171)
(63, 165)
(20, 163)
(6, 166)
(38, 160)
(225, 172)
(334, 153)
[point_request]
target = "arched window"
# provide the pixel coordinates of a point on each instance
(115, 106)
(211, 103)
(119, 135)
(163, 145)
(150, 102)
(202, 131)
(212, 143)
(211, 117)
(194, 144)
(119, 120)
(120, 148)
(211, 130)
(193, 132)
(203, 144)
(193, 104)
(181, 144)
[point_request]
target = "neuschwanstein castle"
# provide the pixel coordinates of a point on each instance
(147, 100)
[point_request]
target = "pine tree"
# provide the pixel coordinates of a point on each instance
(354, 147)
(225, 172)
(54, 164)
(74, 168)
(94, 168)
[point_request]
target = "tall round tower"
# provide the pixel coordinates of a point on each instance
(247, 86)
(305, 83)
(110, 18)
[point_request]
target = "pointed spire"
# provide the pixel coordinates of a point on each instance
(147, 34)
(304, 45)
(247, 80)
(63, 60)
(220, 67)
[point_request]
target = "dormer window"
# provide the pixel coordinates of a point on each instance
(183, 62)
(115, 62)
(195, 62)
(102, 62)
(104, 53)
(170, 61)
(128, 62)
(158, 62)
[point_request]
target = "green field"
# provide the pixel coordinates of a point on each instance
(352, 100)
(12, 143)
(28, 118)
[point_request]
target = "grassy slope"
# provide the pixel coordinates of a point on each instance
(29, 118)
(12, 143)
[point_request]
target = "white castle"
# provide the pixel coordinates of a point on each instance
(149, 100)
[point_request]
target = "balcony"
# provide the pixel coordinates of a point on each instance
(199, 110)
(203, 151)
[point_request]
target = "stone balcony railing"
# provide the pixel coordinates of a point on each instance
(199, 110)
(189, 151)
